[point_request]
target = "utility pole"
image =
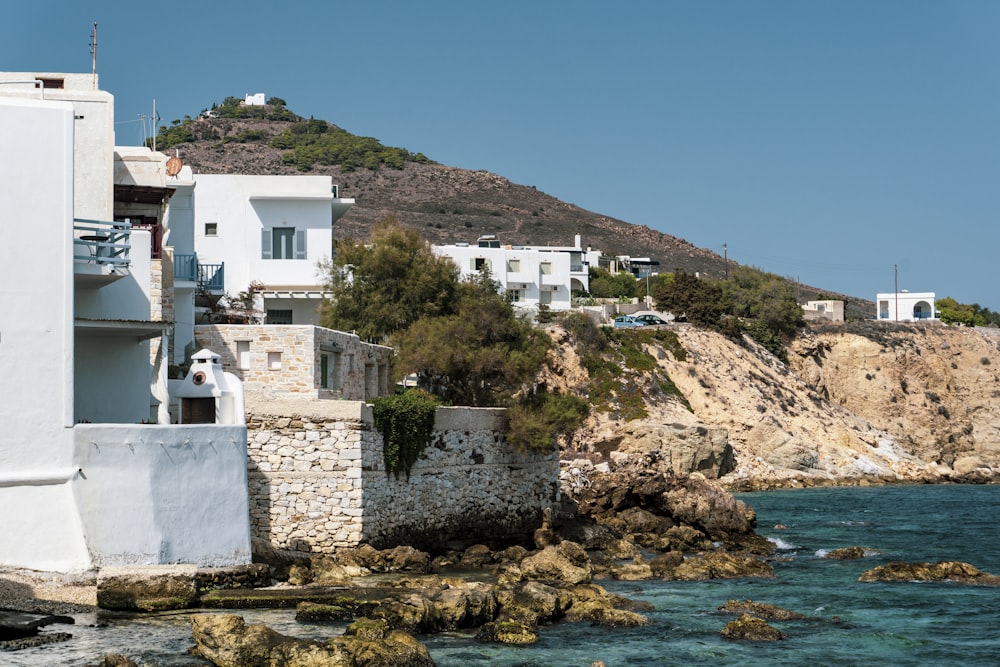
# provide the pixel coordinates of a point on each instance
(93, 54)
(725, 254)
(895, 277)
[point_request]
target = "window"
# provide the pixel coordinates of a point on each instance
(480, 263)
(515, 295)
(243, 355)
(883, 310)
(211, 229)
(275, 316)
(545, 268)
(513, 266)
(324, 371)
(283, 243)
(545, 297)
(274, 361)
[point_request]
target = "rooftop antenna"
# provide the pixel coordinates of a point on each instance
(93, 54)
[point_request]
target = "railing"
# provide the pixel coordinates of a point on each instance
(102, 242)
(186, 267)
(212, 277)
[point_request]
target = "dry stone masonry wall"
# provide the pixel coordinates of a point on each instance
(318, 481)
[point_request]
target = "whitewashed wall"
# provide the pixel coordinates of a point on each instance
(36, 336)
(152, 494)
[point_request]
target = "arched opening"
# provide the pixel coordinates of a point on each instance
(922, 311)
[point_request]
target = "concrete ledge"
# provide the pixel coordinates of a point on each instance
(263, 404)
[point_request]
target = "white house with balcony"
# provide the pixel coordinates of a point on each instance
(90, 476)
(273, 231)
(529, 275)
(905, 306)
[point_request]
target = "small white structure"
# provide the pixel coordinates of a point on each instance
(828, 309)
(210, 395)
(272, 230)
(255, 100)
(529, 275)
(85, 479)
(905, 306)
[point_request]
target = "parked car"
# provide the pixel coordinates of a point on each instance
(649, 318)
(628, 321)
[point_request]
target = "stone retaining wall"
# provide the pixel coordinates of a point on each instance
(318, 482)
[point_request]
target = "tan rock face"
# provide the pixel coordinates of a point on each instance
(857, 403)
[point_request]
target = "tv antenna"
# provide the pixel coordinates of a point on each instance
(93, 55)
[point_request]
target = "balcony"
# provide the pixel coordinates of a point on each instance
(208, 277)
(100, 251)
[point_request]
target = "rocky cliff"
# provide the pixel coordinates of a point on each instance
(857, 403)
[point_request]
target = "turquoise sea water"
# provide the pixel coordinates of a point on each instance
(849, 623)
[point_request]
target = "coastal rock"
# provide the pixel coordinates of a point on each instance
(508, 631)
(768, 612)
(953, 571)
(532, 602)
(147, 588)
(226, 641)
(467, 606)
(567, 563)
(679, 448)
(750, 628)
(720, 565)
(592, 603)
(846, 553)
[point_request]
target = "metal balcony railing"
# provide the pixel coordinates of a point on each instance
(186, 267)
(102, 242)
(209, 277)
(212, 277)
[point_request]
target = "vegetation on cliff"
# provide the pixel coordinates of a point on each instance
(752, 302)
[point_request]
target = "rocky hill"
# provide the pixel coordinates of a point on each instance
(858, 403)
(445, 204)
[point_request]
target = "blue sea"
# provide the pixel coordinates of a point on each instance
(849, 623)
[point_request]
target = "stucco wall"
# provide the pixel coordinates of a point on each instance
(151, 494)
(317, 480)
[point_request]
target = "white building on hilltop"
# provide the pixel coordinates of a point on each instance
(529, 275)
(273, 231)
(905, 306)
(92, 474)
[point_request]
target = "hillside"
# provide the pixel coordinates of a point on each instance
(445, 204)
(858, 403)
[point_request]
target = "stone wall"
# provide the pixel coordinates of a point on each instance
(290, 359)
(317, 481)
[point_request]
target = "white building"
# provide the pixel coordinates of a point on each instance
(90, 475)
(529, 275)
(905, 306)
(270, 230)
(827, 309)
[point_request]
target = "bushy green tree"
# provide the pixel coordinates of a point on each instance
(700, 300)
(383, 287)
(481, 353)
(951, 311)
(604, 284)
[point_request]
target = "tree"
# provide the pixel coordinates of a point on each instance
(481, 354)
(951, 311)
(700, 300)
(383, 287)
(604, 284)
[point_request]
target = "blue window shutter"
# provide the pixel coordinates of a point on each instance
(265, 244)
(300, 244)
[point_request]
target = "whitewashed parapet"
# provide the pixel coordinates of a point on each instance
(318, 481)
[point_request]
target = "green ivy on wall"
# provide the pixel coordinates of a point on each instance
(406, 422)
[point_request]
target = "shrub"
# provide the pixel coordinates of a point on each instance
(406, 422)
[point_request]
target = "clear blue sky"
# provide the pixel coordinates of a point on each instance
(820, 140)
